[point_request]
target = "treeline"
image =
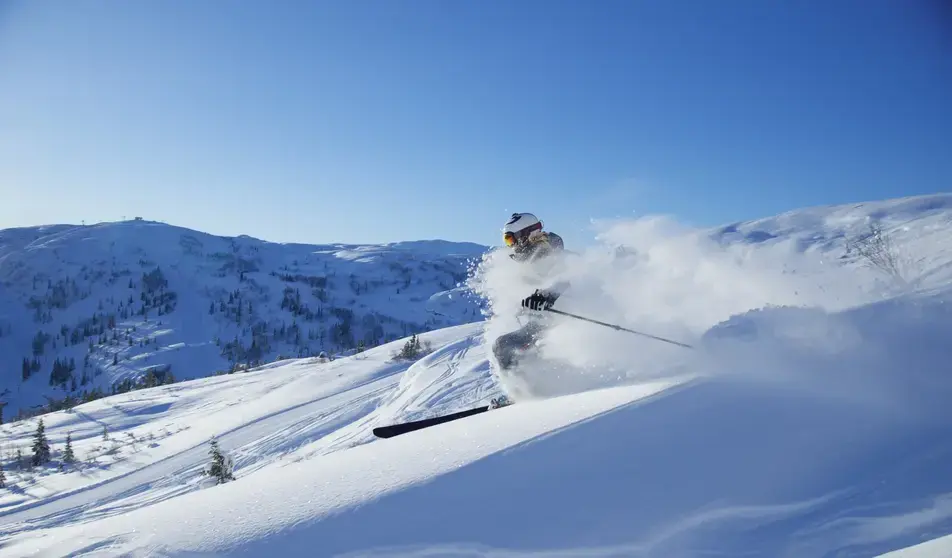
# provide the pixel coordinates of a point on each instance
(97, 330)
(59, 294)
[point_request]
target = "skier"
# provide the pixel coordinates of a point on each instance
(530, 244)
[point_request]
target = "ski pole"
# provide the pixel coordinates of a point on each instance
(619, 328)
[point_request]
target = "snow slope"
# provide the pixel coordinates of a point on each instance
(717, 463)
(113, 301)
(162, 433)
(811, 419)
(933, 548)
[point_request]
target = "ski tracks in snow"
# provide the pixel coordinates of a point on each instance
(452, 377)
(251, 443)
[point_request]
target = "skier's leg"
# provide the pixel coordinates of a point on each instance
(508, 346)
(506, 351)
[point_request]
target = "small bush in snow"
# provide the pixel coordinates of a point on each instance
(877, 251)
(221, 465)
(414, 349)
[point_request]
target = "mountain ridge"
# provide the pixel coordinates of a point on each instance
(222, 301)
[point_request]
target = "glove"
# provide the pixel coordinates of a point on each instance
(538, 301)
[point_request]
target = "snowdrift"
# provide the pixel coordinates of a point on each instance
(756, 461)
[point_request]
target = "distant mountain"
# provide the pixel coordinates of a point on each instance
(95, 309)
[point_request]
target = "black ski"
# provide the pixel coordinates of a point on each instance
(402, 428)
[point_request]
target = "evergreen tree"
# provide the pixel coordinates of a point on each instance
(61, 373)
(41, 446)
(3, 478)
(68, 456)
(221, 466)
(411, 349)
(150, 379)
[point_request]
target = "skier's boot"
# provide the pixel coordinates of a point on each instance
(501, 401)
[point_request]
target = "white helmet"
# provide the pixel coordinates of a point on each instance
(519, 228)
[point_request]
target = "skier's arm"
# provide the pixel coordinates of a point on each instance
(543, 299)
(552, 293)
(555, 291)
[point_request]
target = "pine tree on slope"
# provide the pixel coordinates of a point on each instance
(221, 466)
(68, 456)
(41, 446)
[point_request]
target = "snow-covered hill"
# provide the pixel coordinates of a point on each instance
(88, 309)
(810, 418)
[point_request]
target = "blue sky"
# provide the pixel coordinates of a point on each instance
(379, 121)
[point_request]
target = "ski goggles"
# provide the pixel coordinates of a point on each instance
(524, 237)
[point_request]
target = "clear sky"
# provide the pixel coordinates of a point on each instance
(376, 121)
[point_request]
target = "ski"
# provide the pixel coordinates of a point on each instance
(392, 430)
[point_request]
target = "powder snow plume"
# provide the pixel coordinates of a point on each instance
(657, 276)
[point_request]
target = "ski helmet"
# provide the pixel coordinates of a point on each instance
(519, 228)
